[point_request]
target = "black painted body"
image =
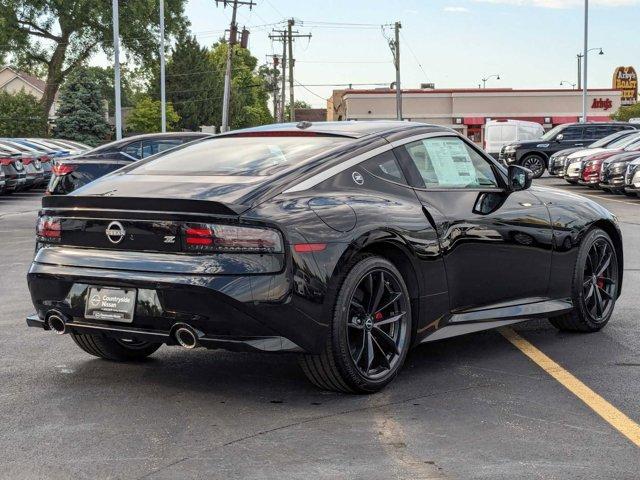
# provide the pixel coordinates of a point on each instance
(471, 259)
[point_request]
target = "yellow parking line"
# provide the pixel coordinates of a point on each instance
(608, 412)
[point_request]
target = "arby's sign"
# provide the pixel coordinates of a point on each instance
(625, 79)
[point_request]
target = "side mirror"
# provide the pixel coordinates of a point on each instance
(559, 137)
(520, 178)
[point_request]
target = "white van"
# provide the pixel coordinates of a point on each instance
(498, 133)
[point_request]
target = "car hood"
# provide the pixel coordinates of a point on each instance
(582, 152)
(567, 151)
(223, 189)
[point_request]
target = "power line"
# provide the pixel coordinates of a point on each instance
(415, 57)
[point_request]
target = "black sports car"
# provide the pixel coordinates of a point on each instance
(346, 242)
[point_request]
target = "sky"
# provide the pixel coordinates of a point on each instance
(452, 43)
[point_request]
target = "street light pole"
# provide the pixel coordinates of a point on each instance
(163, 99)
(584, 73)
(484, 80)
(116, 69)
(579, 57)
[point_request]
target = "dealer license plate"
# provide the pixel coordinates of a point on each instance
(110, 304)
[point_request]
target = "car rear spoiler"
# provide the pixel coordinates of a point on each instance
(137, 204)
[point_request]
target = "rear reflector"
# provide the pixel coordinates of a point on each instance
(62, 168)
(230, 238)
(309, 247)
(48, 229)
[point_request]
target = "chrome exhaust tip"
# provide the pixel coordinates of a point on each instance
(56, 324)
(186, 337)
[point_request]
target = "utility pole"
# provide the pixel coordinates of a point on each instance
(287, 37)
(292, 110)
(586, 52)
(116, 68)
(281, 36)
(275, 61)
(233, 34)
(394, 45)
(163, 98)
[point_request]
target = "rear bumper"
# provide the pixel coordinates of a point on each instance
(239, 344)
(244, 313)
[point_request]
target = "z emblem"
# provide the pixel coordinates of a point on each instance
(169, 239)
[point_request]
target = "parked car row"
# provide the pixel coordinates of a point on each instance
(27, 163)
(536, 154)
(610, 164)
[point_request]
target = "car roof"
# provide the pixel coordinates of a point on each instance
(604, 124)
(348, 128)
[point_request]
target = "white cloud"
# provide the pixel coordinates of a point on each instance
(456, 9)
(564, 3)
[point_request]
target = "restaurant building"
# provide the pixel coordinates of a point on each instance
(467, 110)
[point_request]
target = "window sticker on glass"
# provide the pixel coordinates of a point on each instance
(451, 162)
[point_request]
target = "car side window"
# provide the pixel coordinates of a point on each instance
(385, 166)
(448, 162)
(590, 133)
(572, 133)
(151, 147)
(134, 150)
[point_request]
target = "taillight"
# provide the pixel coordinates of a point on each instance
(6, 161)
(26, 160)
(229, 238)
(45, 159)
(48, 229)
(62, 169)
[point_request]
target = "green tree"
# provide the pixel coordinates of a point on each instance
(625, 113)
(146, 116)
(60, 35)
(249, 89)
(81, 115)
(106, 81)
(21, 115)
(297, 104)
(193, 84)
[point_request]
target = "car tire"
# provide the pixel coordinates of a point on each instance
(594, 292)
(365, 347)
(572, 182)
(536, 163)
(114, 349)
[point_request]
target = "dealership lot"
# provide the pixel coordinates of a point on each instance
(470, 407)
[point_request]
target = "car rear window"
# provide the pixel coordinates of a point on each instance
(244, 156)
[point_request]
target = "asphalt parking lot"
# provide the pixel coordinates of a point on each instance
(474, 407)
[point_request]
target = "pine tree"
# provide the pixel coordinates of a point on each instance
(193, 84)
(81, 115)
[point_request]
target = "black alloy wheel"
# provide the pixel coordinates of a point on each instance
(376, 325)
(599, 285)
(595, 285)
(370, 331)
(535, 163)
